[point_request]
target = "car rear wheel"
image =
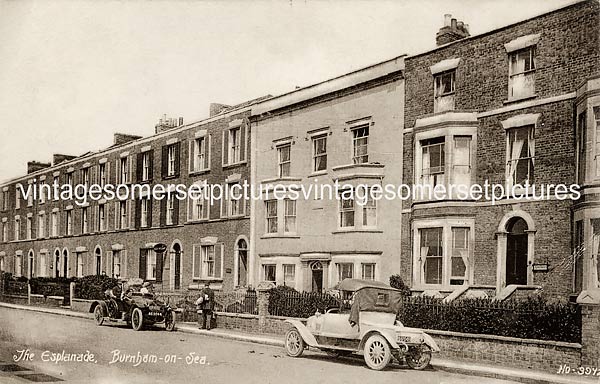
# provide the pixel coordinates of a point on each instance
(377, 352)
(418, 357)
(98, 315)
(294, 344)
(170, 321)
(137, 319)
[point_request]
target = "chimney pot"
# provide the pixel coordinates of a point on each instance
(453, 23)
(447, 19)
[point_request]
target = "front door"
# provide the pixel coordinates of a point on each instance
(177, 269)
(516, 259)
(317, 276)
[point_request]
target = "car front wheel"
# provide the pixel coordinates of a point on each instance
(137, 319)
(377, 352)
(418, 357)
(294, 344)
(98, 315)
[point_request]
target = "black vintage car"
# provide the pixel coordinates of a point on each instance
(126, 304)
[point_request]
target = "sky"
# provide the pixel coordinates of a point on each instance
(72, 73)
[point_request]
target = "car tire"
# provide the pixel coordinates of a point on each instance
(98, 315)
(294, 344)
(170, 321)
(418, 358)
(137, 319)
(377, 352)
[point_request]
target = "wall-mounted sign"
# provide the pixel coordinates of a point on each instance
(541, 267)
(160, 247)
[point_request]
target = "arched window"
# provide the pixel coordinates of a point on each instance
(30, 264)
(98, 260)
(57, 263)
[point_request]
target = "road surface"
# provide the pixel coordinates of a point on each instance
(116, 354)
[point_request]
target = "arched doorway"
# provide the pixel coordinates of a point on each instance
(316, 268)
(241, 248)
(57, 263)
(65, 263)
(30, 264)
(98, 261)
(176, 265)
(516, 251)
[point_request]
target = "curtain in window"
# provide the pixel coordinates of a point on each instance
(517, 146)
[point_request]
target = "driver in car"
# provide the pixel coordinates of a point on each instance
(147, 289)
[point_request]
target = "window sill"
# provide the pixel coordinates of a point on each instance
(280, 180)
(233, 165)
(197, 221)
(207, 279)
(279, 236)
(199, 172)
(355, 230)
(517, 99)
(318, 173)
(170, 177)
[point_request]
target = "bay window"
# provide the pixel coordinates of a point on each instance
(442, 253)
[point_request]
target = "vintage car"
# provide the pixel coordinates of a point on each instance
(133, 307)
(369, 327)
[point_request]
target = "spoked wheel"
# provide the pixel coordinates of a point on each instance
(98, 315)
(294, 344)
(170, 321)
(377, 352)
(137, 319)
(418, 357)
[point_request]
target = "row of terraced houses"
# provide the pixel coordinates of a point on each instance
(517, 104)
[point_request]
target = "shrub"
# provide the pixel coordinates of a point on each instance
(286, 301)
(397, 282)
(92, 287)
(51, 286)
(531, 318)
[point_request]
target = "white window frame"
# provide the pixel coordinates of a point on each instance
(234, 142)
(444, 100)
(85, 176)
(235, 207)
(102, 174)
(80, 264)
(123, 218)
(511, 162)
(419, 264)
(85, 227)
(117, 264)
(290, 216)
(29, 227)
(319, 157)
(527, 75)
(17, 228)
(340, 266)
(208, 265)
(5, 231)
(54, 219)
(41, 225)
(286, 269)
(144, 205)
(363, 267)
(284, 166)
(124, 170)
(151, 264)
(69, 222)
(360, 142)
(201, 153)
(344, 209)
(102, 217)
(264, 268)
(146, 166)
(170, 211)
(270, 218)
(171, 160)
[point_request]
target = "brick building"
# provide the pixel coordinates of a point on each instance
(499, 107)
(204, 243)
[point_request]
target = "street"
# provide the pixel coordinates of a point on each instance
(117, 354)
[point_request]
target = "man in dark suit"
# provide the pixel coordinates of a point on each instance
(205, 304)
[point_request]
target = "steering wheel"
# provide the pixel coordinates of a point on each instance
(333, 310)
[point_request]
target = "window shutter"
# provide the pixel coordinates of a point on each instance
(117, 214)
(149, 212)
(129, 204)
(108, 174)
(130, 170)
(139, 167)
(225, 145)
(208, 151)
(163, 211)
(159, 264)
(108, 263)
(197, 261)
(219, 254)
(175, 210)
(177, 158)
(164, 161)
(243, 142)
(138, 213)
(190, 208)
(191, 156)
(150, 164)
(118, 171)
(124, 263)
(143, 261)
(224, 202)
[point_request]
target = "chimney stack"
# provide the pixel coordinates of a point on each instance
(34, 166)
(121, 138)
(58, 158)
(216, 108)
(165, 123)
(452, 30)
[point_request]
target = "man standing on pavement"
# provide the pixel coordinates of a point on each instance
(205, 304)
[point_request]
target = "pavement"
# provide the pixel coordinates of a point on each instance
(438, 364)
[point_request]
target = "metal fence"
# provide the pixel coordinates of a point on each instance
(236, 302)
(300, 304)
